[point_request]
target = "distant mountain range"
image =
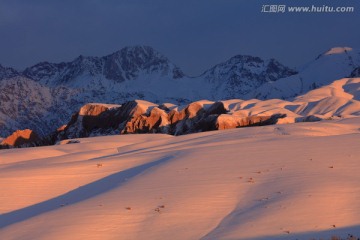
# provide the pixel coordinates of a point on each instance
(43, 97)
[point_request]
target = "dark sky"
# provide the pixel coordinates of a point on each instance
(194, 34)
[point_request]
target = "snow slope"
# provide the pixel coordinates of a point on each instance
(334, 64)
(293, 181)
(339, 98)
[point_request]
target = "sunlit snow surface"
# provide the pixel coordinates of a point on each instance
(290, 181)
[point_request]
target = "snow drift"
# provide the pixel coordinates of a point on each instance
(294, 181)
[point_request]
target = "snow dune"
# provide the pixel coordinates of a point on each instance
(340, 98)
(291, 181)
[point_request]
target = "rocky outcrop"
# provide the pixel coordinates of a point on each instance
(195, 117)
(157, 121)
(91, 117)
(225, 121)
(145, 117)
(21, 138)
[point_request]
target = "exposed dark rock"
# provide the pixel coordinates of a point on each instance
(216, 108)
(310, 118)
(355, 73)
(92, 117)
(142, 117)
(7, 72)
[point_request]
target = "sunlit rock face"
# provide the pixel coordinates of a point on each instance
(146, 117)
(21, 138)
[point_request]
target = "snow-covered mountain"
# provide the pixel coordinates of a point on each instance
(25, 103)
(129, 63)
(126, 72)
(334, 64)
(242, 74)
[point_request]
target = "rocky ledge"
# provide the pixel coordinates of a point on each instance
(145, 117)
(21, 138)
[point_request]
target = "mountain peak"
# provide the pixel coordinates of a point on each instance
(137, 53)
(244, 58)
(242, 74)
(7, 72)
(339, 53)
(338, 50)
(335, 51)
(129, 62)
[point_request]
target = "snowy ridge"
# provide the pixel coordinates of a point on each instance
(28, 104)
(127, 64)
(340, 98)
(125, 72)
(23, 103)
(243, 74)
(334, 64)
(6, 72)
(338, 50)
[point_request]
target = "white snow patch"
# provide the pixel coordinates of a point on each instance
(338, 50)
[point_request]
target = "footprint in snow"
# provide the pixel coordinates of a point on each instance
(280, 131)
